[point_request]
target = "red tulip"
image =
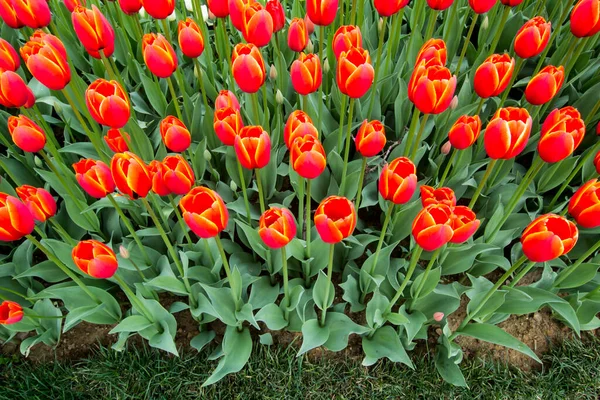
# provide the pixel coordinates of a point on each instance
(275, 9)
(190, 38)
(298, 125)
(585, 205)
(398, 181)
(14, 92)
(16, 220)
(585, 18)
(307, 157)
(507, 133)
(220, 8)
(355, 74)
(562, 133)
(204, 212)
(39, 201)
(9, 59)
(493, 76)
(465, 132)
(227, 124)
(117, 140)
(440, 4)
(226, 99)
(95, 259)
(297, 35)
(511, 3)
(532, 38)
(10, 312)
(277, 227)
(131, 175)
(94, 177)
(175, 134)
(433, 52)
(26, 134)
(345, 38)
(94, 31)
(46, 59)
(544, 86)
(387, 8)
(33, 13)
(159, 56)
(248, 67)
(178, 175)
(306, 74)
(322, 12)
(335, 219)
(130, 7)
(370, 139)
(431, 195)
(548, 237)
(253, 147)
(107, 103)
(482, 6)
(9, 15)
(236, 12)
(597, 162)
(432, 88)
(258, 25)
(432, 228)
(464, 224)
(157, 172)
(159, 9)
(310, 26)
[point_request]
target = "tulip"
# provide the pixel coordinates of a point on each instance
(562, 132)
(226, 99)
(299, 124)
(10, 312)
(482, 6)
(321, 12)
(439, 4)
(431, 195)
(548, 237)
(597, 162)
(157, 171)
(94, 31)
(532, 38)
(190, 38)
(16, 220)
(306, 74)
(355, 74)
(493, 76)
(310, 25)
(220, 8)
(277, 227)
(248, 67)
(131, 175)
(26, 134)
(130, 7)
(227, 124)
(94, 177)
(46, 59)
(432, 227)
(159, 9)
(257, 25)
(545, 85)
(33, 13)
(95, 259)
(433, 52)
(297, 35)
(507, 133)
(253, 147)
(204, 212)
(9, 59)
(107, 103)
(117, 140)
(465, 132)
(159, 56)
(387, 8)
(370, 139)
(175, 134)
(511, 3)
(345, 38)
(464, 224)
(236, 12)
(72, 4)
(307, 157)
(398, 181)
(585, 18)
(275, 9)
(39, 201)
(335, 219)
(9, 15)
(14, 92)
(432, 88)
(585, 205)
(178, 175)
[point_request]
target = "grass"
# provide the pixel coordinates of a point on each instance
(571, 372)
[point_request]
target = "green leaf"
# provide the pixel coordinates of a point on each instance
(352, 294)
(222, 303)
(169, 284)
(313, 336)
(202, 339)
(272, 316)
(430, 283)
(461, 259)
(77, 315)
(447, 368)
(495, 335)
(384, 343)
(164, 340)
(237, 347)
(585, 273)
(134, 323)
(340, 328)
(319, 292)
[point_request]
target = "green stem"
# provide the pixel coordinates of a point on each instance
(15, 293)
(308, 216)
(361, 182)
(568, 271)
(448, 167)
(393, 46)
(320, 99)
(129, 227)
(327, 287)
(592, 114)
(451, 21)
(175, 99)
(384, 228)
(261, 194)
(480, 105)
(244, 190)
(431, 24)
(300, 196)
(347, 148)
(521, 274)
(201, 82)
(552, 37)
(61, 231)
(286, 290)
(184, 94)
(165, 26)
(411, 131)
(488, 171)
(515, 73)
(419, 135)
(353, 13)
(266, 123)
(255, 108)
(434, 257)
(414, 259)
(133, 298)
(341, 131)
(498, 35)
(227, 270)
(180, 219)
(377, 67)
(466, 44)
(158, 208)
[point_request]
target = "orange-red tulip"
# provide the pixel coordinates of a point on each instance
(175, 134)
(544, 86)
(9, 59)
(585, 18)
(548, 237)
(9, 15)
(511, 3)
(431, 195)
(297, 35)
(190, 38)
(310, 26)
(398, 181)
(159, 9)
(532, 38)
(464, 224)
(204, 212)
(345, 38)
(226, 99)
(131, 175)
(130, 7)
(33, 13)
(178, 174)
(253, 147)
(220, 8)
(432, 88)
(94, 31)
(335, 219)
(322, 12)
(117, 140)
(16, 220)
(95, 259)
(258, 25)
(107, 103)
(433, 52)
(439, 4)
(465, 132)
(307, 157)
(482, 6)
(248, 67)
(159, 56)
(370, 139)
(275, 9)
(14, 92)
(39, 201)
(562, 133)
(227, 124)
(298, 124)
(493, 76)
(432, 227)
(306, 74)
(26, 134)
(10, 312)
(94, 177)
(585, 205)
(236, 12)
(277, 227)
(46, 59)
(597, 162)
(355, 74)
(387, 8)
(507, 133)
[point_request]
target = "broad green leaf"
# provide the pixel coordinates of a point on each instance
(495, 335)
(384, 343)
(313, 335)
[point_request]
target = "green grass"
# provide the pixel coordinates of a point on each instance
(571, 372)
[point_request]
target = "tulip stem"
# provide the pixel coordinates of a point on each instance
(448, 167)
(434, 257)
(138, 27)
(592, 113)
(395, 33)
(419, 136)
(109, 70)
(552, 37)
(384, 228)
(466, 44)
(184, 95)
(255, 108)
(414, 259)
(133, 298)
(227, 270)
(308, 216)
(15, 293)
(175, 99)
(244, 191)
(450, 26)
(498, 34)
(201, 82)
(327, 287)
(48, 130)
(342, 116)
(129, 227)
(353, 13)
(180, 219)
(58, 228)
(521, 274)
(361, 181)
(431, 24)
(265, 109)
(347, 149)
(486, 175)
(286, 290)
(480, 106)
(361, 12)
(158, 209)
(411, 131)
(514, 76)
(301, 207)
(280, 60)
(377, 67)
(261, 193)
(569, 270)
(165, 26)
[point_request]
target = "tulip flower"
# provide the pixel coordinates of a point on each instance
(597, 162)
(562, 132)
(257, 25)
(95, 259)
(355, 74)
(94, 177)
(26, 134)
(545, 85)
(72, 4)
(548, 237)
(433, 52)
(464, 223)
(532, 38)
(307, 157)
(370, 139)
(432, 88)
(220, 8)
(39, 201)
(46, 59)
(204, 212)
(275, 9)
(511, 3)
(117, 140)
(178, 175)
(14, 92)
(431, 195)
(398, 181)
(507, 133)
(585, 18)
(9, 15)
(9, 59)
(159, 9)
(226, 99)
(159, 56)
(345, 38)
(190, 38)
(584, 206)
(297, 35)
(227, 124)
(482, 6)
(10, 312)
(432, 227)
(465, 132)
(440, 5)
(16, 220)
(322, 12)
(236, 12)
(493, 76)
(94, 31)
(299, 124)
(130, 7)
(107, 103)
(277, 227)
(175, 134)
(387, 8)
(157, 171)
(33, 13)
(131, 175)
(248, 67)
(306, 74)
(335, 219)
(310, 26)
(253, 147)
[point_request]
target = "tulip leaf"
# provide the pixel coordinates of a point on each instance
(254, 239)
(169, 284)
(164, 340)
(352, 294)
(340, 328)
(429, 285)
(202, 339)
(319, 292)
(77, 315)
(272, 316)
(263, 293)
(495, 335)
(134, 323)
(223, 304)
(447, 368)
(584, 274)
(461, 259)
(384, 343)
(45, 270)
(237, 347)
(313, 336)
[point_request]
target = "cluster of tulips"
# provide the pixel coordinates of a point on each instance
(121, 177)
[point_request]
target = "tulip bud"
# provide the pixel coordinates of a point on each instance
(236, 12)
(10, 312)
(507, 133)
(273, 72)
(548, 237)
(207, 155)
(345, 38)
(233, 186)
(326, 67)
(178, 175)
(439, 4)
(190, 38)
(387, 8)
(431, 88)
(464, 132)
(493, 76)
(310, 25)
(445, 150)
(39, 201)
(131, 175)
(438, 316)
(94, 31)
(379, 25)
(257, 25)
(482, 6)
(32, 13)
(355, 74)
(299, 124)
(545, 85)
(279, 97)
(307, 157)
(454, 103)
(38, 161)
(46, 59)
(26, 134)
(95, 259)
(433, 52)
(14, 92)
(124, 252)
(227, 124)
(486, 22)
(398, 181)
(159, 56)
(310, 47)
(322, 12)
(159, 9)
(562, 132)
(431, 195)
(9, 15)
(432, 227)
(130, 7)
(94, 177)
(253, 147)
(532, 38)
(220, 8)
(226, 99)
(15, 219)
(370, 139)
(464, 224)
(275, 9)
(204, 212)
(117, 140)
